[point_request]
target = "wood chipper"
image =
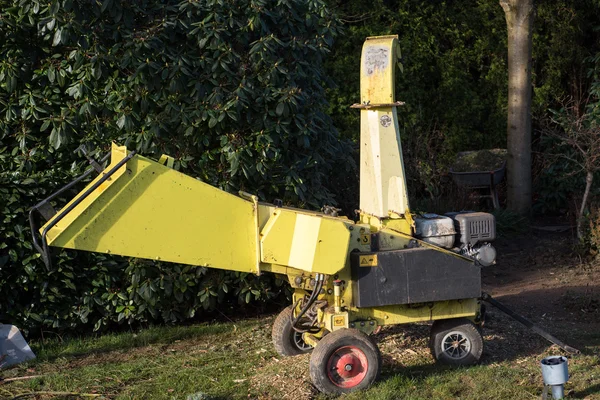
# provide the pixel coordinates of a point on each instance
(349, 278)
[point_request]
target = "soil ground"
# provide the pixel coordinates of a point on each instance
(542, 278)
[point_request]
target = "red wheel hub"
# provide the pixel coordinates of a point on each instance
(347, 366)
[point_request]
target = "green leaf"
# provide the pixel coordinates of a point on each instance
(280, 108)
(54, 7)
(11, 84)
(105, 5)
(121, 121)
(57, 37)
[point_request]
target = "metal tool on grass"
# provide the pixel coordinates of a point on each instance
(528, 324)
(13, 347)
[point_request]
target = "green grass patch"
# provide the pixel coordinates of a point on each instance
(237, 361)
(59, 347)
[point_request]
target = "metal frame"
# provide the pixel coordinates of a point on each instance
(43, 247)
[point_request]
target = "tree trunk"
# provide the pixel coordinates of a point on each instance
(589, 178)
(519, 21)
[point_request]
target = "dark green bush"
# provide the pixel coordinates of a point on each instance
(232, 89)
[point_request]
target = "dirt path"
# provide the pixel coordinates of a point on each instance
(540, 276)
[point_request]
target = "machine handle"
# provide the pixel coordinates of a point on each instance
(42, 247)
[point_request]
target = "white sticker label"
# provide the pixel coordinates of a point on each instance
(385, 121)
(376, 58)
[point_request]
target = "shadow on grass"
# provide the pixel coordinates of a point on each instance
(74, 347)
(426, 381)
(582, 394)
(203, 396)
(506, 339)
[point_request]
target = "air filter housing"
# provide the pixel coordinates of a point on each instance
(474, 227)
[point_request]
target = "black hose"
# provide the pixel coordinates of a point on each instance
(320, 280)
(312, 298)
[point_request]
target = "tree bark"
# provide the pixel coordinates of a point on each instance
(589, 178)
(519, 21)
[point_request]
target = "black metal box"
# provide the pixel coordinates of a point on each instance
(416, 275)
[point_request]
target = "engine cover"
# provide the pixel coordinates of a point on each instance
(435, 229)
(474, 227)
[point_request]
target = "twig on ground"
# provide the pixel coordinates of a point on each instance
(9, 393)
(18, 378)
(25, 395)
(230, 320)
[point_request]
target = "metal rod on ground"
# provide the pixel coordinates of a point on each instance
(524, 321)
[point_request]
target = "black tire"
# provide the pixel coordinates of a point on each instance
(456, 342)
(344, 361)
(286, 340)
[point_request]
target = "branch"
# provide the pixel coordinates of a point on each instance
(18, 378)
(588, 185)
(581, 165)
(25, 395)
(583, 152)
(353, 19)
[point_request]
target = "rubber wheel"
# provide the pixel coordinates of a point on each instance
(286, 340)
(344, 361)
(456, 342)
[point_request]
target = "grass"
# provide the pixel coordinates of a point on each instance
(237, 360)
(161, 363)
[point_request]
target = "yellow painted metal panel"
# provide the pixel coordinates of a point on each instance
(402, 314)
(377, 69)
(276, 238)
(277, 269)
(117, 154)
(306, 241)
(382, 177)
(265, 210)
(154, 212)
(332, 246)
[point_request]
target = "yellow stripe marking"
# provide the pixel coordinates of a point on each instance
(377, 185)
(304, 241)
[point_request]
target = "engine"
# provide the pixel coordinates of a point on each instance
(467, 233)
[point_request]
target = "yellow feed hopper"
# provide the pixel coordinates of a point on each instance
(142, 208)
